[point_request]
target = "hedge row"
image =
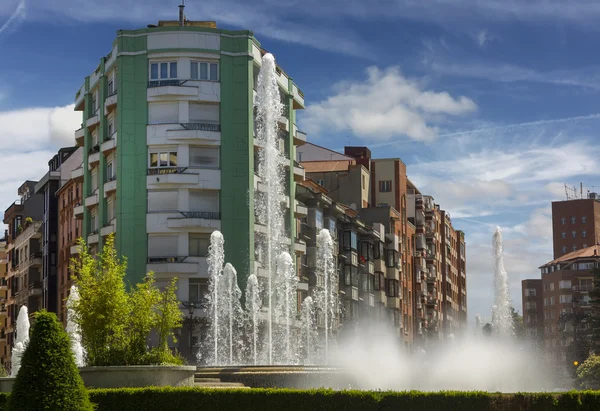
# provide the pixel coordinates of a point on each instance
(193, 399)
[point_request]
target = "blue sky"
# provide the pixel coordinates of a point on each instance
(494, 106)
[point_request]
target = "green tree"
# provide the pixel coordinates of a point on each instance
(48, 378)
(588, 373)
(518, 324)
(116, 323)
(103, 308)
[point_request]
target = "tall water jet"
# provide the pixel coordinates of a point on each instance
(501, 315)
(232, 313)
(285, 307)
(309, 329)
(253, 305)
(73, 328)
(215, 261)
(326, 275)
(271, 171)
(21, 340)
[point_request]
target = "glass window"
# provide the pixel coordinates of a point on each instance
(572, 220)
(583, 219)
(204, 71)
(584, 234)
(198, 245)
(347, 275)
(574, 234)
(164, 70)
(378, 251)
(353, 241)
(563, 220)
(390, 258)
(563, 235)
(163, 159)
(319, 219)
(564, 284)
(173, 70)
(154, 71)
(205, 157)
(332, 228)
(364, 250)
(198, 289)
(346, 240)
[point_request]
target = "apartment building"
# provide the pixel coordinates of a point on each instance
(4, 352)
(47, 187)
(68, 198)
(533, 308)
(169, 150)
(566, 283)
(575, 224)
(24, 257)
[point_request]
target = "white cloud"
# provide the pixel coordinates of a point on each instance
(482, 37)
(384, 106)
(32, 128)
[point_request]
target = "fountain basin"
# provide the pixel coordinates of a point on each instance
(6, 383)
(138, 376)
(294, 376)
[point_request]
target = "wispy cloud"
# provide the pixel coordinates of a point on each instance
(15, 17)
(483, 37)
(385, 105)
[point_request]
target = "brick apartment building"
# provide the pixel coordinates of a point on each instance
(575, 224)
(4, 353)
(432, 253)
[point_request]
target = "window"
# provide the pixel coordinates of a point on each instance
(551, 286)
(318, 219)
(110, 128)
(585, 246)
(204, 71)
(163, 70)
(563, 235)
(111, 86)
(573, 219)
(198, 245)
(363, 182)
(564, 284)
(583, 234)
(574, 248)
(203, 201)
(385, 186)
(94, 179)
(332, 228)
(204, 113)
(204, 157)
(378, 250)
(159, 201)
(93, 220)
(574, 234)
(110, 212)
(163, 246)
(552, 300)
(564, 249)
(563, 220)
(390, 260)
(321, 182)
(392, 288)
(565, 299)
(164, 112)
(530, 305)
(109, 171)
(163, 159)
(530, 292)
(94, 102)
(198, 289)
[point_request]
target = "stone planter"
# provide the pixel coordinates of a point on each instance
(6, 383)
(138, 376)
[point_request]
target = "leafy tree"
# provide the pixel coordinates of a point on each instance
(48, 378)
(588, 373)
(116, 323)
(518, 324)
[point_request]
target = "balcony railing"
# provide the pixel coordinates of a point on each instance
(201, 126)
(95, 149)
(112, 93)
(583, 288)
(165, 83)
(207, 215)
(166, 260)
(166, 170)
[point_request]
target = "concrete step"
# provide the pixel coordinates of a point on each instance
(204, 379)
(220, 384)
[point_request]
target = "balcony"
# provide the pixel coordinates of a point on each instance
(393, 303)
(107, 229)
(583, 288)
(299, 246)
(93, 238)
(35, 259)
(93, 121)
(176, 265)
(80, 99)
(78, 211)
(298, 172)
(80, 136)
(93, 156)
(205, 132)
(195, 219)
(75, 249)
(92, 200)
(110, 186)
(77, 174)
(35, 289)
(109, 144)
(298, 97)
(110, 102)
(206, 178)
(299, 137)
(301, 210)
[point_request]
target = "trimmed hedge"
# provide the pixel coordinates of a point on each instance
(196, 399)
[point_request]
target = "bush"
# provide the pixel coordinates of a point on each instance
(115, 323)
(588, 373)
(48, 378)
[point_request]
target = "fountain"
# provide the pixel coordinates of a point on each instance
(502, 321)
(21, 340)
(73, 328)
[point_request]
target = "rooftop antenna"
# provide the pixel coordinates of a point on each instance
(181, 15)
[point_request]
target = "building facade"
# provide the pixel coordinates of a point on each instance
(69, 196)
(4, 352)
(575, 224)
(161, 113)
(533, 308)
(24, 258)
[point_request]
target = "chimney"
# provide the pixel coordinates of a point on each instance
(181, 15)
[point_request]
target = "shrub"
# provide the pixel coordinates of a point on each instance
(588, 373)
(48, 378)
(115, 323)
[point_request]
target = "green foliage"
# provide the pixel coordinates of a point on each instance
(116, 323)
(196, 399)
(48, 378)
(193, 399)
(3, 372)
(588, 373)
(28, 221)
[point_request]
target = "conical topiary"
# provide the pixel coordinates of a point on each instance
(48, 378)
